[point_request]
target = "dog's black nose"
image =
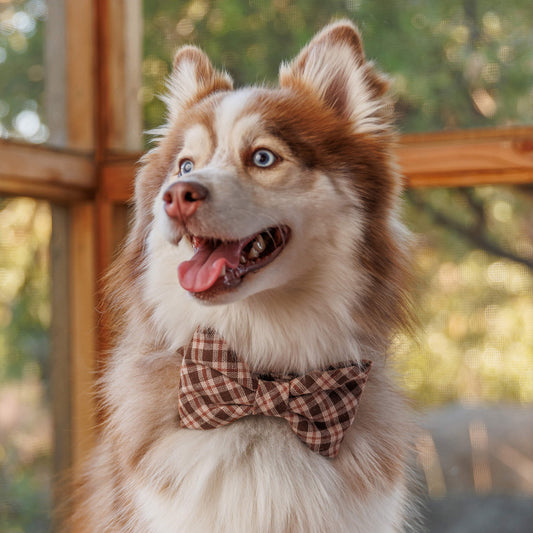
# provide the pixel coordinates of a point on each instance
(183, 198)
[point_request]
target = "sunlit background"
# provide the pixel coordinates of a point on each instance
(25, 425)
(22, 113)
(453, 64)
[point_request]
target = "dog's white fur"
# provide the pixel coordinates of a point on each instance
(311, 307)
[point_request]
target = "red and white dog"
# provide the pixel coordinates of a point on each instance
(268, 215)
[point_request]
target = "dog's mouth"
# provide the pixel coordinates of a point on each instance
(219, 265)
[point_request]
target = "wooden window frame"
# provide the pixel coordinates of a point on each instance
(94, 65)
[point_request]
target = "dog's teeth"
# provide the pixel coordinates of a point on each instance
(259, 244)
(253, 254)
(222, 272)
(243, 259)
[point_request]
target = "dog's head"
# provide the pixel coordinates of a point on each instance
(255, 189)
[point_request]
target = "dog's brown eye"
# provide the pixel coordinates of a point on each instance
(186, 166)
(264, 158)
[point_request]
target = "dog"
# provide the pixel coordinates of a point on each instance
(267, 222)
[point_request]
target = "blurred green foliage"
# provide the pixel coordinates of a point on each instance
(473, 296)
(22, 71)
(453, 64)
(25, 425)
(25, 227)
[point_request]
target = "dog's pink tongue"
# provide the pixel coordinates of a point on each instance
(201, 272)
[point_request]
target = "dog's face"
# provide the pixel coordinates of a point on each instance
(244, 192)
(259, 188)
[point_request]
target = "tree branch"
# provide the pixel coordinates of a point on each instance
(477, 238)
(478, 208)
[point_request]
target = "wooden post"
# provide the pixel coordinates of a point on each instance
(60, 372)
(119, 117)
(56, 72)
(70, 62)
(80, 61)
(119, 112)
(119, 29)
(82, 305)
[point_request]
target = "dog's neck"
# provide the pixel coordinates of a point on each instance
(306, 324)
(283, 330)
(290, 332)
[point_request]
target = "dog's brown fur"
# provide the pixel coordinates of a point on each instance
(343, 151)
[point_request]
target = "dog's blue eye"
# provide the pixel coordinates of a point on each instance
(186, 166)
(264, 158)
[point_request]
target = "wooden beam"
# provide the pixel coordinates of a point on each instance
(117, 180)
(472, 134)
(60, 363)
(455, 159)
(10, 186)
(80, 74)
(468, 158)
(29, 170)
(118, 27)
(70, 74)
(82, 310)
(114, 193)
(119, 30)
(55, 54)
(73, 345)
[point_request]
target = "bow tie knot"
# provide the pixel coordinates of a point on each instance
(217, 388)
(271, 398)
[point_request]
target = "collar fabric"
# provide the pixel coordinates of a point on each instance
(217, 388)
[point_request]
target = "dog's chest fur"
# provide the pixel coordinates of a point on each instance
(252, 475)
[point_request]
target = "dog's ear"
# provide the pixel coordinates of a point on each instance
(334, 67)
(193, 78)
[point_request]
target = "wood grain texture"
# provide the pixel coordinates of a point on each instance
(55, 54)
(80, 74)
(70, 74)
(468, 158)
(82, 304)
(60, 362)
(117, 180)
(29, 170)
(119, 27)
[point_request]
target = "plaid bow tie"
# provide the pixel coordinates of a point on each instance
(217, 388)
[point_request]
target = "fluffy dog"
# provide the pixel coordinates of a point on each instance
(268, 217)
